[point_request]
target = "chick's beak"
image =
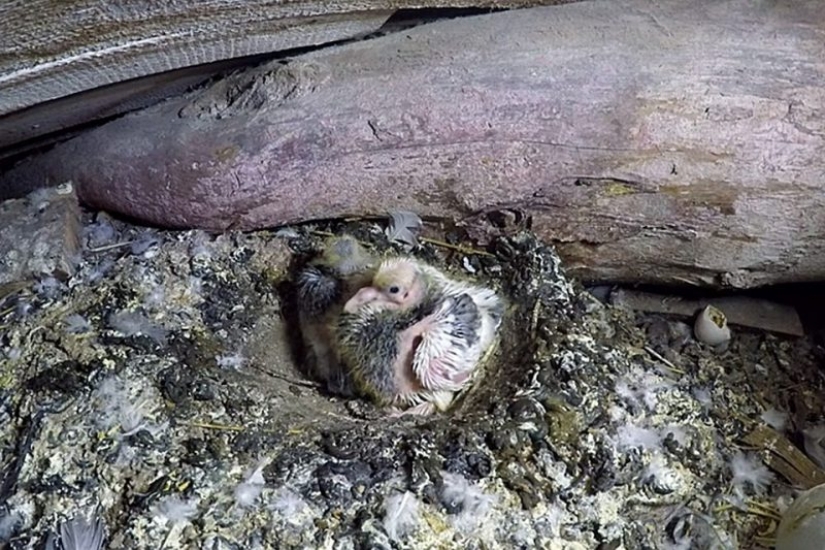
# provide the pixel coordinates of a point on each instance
(363, 296)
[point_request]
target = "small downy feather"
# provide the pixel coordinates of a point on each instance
(174, 509)
(404, 227)
(470, 498)
(749, 472)
(247, 492)
(775, 418)
(401, 515)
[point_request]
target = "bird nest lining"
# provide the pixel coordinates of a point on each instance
(161, 386)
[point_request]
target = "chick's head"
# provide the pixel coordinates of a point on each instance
(345, 255)
(399, 282)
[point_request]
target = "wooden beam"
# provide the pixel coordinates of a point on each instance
(53, 52)
(652, 141)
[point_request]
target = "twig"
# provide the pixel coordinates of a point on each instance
(10, 289)
(287, 379)
(768, 510)
(763, 513)
(210, 426)
(686, 280)
(110, 246)
(456, 247)
(534, 319)
(753, 508)
(667, 363)
(25, 441)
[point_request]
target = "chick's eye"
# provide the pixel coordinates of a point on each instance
(394, 289)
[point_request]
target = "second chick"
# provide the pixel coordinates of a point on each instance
(323, 287)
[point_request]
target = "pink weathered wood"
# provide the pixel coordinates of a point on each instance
(657, 141)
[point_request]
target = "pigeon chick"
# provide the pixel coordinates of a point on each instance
(323, 287)
(403, 283)
(411, 359)
(443, 328)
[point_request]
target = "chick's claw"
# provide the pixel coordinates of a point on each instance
(422, 409)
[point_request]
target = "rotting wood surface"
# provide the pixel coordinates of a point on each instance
(54, 50)
(657, 142)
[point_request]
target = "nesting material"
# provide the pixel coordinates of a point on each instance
(40, 235)
(164, 386)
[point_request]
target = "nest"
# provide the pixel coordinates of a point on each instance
(162, 387)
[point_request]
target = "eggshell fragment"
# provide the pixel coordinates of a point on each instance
(711, 327)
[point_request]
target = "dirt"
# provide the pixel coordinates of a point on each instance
(162, 387)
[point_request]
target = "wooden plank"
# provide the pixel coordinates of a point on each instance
(739, 310)
(53, 50)
(784, 457)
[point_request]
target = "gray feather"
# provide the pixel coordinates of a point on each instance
(371, 344)
(404, 227)
(317, 290)
(346, 256)
(369, 340)
(467, 320)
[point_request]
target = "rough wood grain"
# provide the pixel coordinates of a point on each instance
(54, 121)
(43, 74)
(654, 141)
(53, 50)
(745, 311)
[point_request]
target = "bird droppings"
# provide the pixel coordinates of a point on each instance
(162, 385)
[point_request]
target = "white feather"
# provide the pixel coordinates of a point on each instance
(456, 363)
(82, 533)
(749, 472)
(437, 347)
(438, 344)
(400, 515)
